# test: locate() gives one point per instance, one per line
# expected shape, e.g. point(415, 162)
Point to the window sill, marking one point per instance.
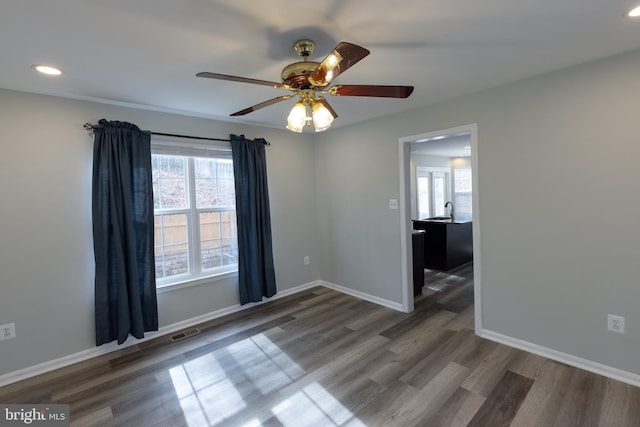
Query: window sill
point(194, 281)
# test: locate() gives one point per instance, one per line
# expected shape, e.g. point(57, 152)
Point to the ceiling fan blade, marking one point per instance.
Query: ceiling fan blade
point(240, 79)
point(261, 105)
point(372, 90)
point(324, 102)
point(338, 61)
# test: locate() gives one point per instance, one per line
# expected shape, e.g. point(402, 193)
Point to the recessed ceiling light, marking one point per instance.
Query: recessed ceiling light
point(47, 69)
point(634, 13)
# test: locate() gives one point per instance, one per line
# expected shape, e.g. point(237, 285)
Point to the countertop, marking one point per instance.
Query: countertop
point(440, 220)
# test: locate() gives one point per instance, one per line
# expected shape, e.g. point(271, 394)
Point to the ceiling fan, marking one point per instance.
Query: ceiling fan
point(309, 80)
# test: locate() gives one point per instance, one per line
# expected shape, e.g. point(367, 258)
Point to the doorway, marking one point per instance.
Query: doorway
point(410, 207)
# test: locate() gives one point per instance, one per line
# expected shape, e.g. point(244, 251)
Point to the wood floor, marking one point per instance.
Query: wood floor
point(322, 358)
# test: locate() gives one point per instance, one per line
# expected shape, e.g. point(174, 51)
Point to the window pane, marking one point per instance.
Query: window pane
point(424, 187)
point(462, 178)
point(205, 168)
point(169, 181)
point(229, 233)
point(229, 227)
point(214, 183)
point(210, 240)
point(171, 245)
point(462, 193)
point(206, 193)
point(218, 241)
point(226, 193)
point(211, 255)
point(439, 194)
point(206, 188)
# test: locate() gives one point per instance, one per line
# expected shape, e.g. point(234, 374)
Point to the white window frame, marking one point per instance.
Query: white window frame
point(180, 147)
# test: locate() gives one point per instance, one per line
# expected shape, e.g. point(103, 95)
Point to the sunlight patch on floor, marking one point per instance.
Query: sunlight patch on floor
point(209, 396)
point(205, 398)
point(320, 409)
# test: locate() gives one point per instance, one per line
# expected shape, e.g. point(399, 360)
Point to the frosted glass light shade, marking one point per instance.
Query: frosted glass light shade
point(297, 117)
point(322, 117)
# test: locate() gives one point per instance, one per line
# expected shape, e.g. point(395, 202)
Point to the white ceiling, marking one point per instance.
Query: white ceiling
point(145, 53)
point(444, 146)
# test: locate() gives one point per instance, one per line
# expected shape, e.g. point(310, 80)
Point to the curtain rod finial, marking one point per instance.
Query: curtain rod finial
point(88, 126)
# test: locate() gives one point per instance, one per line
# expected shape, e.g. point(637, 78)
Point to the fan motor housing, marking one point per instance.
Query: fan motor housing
point(297, 74)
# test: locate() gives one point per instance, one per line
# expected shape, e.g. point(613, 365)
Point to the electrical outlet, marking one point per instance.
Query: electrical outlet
point(393, 204)
point(7, 331)
point(615, 323)
point(306, 260)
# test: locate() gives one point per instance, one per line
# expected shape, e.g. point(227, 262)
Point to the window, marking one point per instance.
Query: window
point(194, 211)
point(433, 191)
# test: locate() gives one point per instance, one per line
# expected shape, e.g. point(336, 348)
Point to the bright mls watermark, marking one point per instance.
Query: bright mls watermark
point(46, 415)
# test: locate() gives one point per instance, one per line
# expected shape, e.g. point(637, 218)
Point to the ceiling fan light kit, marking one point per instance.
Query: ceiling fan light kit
point(308, 79)
point(310, 108)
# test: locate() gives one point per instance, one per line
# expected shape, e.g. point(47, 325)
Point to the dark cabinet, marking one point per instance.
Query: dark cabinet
point(446, 244)
point(417, 245)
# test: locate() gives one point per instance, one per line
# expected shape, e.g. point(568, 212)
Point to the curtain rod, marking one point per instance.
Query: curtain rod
point(89, 126)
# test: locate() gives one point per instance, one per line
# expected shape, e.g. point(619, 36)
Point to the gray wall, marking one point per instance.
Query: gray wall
point(559, 234)
point(356, 175)
point(46, 249)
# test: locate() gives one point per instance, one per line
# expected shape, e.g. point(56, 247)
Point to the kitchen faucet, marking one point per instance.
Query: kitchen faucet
point(451, 211)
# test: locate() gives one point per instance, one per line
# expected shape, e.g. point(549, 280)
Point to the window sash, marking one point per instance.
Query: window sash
point(190, 151)
point(432, 202)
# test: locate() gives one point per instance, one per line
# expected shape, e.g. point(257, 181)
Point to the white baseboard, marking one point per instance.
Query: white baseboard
point(84, 355)
point(361, 295)
point(569, 359)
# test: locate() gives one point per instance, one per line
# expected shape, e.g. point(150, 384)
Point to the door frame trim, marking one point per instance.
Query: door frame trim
point(404, 146)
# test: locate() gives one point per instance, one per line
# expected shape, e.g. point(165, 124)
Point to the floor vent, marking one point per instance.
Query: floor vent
point(185, 334)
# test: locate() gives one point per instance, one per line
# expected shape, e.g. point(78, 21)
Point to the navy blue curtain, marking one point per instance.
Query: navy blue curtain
point(122, 207)
point(255, 259)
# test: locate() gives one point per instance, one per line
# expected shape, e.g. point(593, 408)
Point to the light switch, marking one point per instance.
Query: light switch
point(393, 204)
